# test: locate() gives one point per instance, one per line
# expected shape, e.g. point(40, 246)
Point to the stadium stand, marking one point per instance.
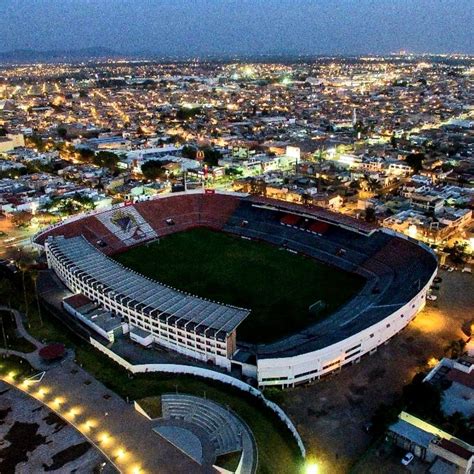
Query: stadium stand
point(185, 323)
point(397, 273)
point(227, 432)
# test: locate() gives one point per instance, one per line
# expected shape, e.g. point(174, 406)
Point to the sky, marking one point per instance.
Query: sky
point(245, 27)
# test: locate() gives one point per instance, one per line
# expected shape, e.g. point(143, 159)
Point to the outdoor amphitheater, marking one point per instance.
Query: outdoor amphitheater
point(294, 292)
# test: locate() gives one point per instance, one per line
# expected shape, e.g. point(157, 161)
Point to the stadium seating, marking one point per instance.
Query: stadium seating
point(395, 268)
point(224, 429)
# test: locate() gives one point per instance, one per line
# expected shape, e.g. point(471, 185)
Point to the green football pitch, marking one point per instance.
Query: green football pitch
point(278, 287)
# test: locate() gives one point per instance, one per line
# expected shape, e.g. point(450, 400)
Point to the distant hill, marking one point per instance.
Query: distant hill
point(29, 55)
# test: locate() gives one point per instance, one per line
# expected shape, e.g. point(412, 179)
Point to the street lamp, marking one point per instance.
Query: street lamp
point(312, 468)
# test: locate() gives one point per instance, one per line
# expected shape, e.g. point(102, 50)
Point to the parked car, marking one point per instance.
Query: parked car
point(408, 458)
point(450, 269)
point(467, 270)
point(434, 287)
point(431, 297)
point(437, 280)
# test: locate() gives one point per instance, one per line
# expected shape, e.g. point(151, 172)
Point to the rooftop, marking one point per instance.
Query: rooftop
point(144, 294)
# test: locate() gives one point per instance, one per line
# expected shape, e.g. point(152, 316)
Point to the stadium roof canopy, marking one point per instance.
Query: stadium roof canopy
point(143, 294)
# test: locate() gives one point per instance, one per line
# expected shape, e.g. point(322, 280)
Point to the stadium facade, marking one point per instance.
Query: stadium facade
point(397, 271)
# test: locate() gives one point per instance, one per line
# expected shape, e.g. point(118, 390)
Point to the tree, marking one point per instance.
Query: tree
point(422, 399)
point(153, 169)
point(189, 152)
point(369, 184)
point(85, 155)
point(415, 161)
point(23, 263)
point(370, 214)
point(211, 156)
point(459, 252)
point(61, 131)
point(6, 290)
point(384, 416)
point(22, 218)
point(106, 159)
point(34, 278)
point(185, 113)
point(455, 349)
point(70, 205)
point(258, 187)
point(306, 199)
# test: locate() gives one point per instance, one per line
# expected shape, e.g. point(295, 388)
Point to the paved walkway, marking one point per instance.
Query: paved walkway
point(32, 357)
point(111, 424)
point(48, 444)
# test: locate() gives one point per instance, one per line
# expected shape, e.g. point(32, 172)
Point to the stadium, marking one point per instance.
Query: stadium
point(368, 283)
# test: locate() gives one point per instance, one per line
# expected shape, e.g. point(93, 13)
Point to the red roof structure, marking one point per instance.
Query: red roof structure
point(52, 351)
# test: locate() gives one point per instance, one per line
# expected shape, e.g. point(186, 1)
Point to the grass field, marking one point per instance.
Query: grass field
point(278, 286)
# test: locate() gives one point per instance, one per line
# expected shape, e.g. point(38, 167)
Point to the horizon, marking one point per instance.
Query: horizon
point(226, 28)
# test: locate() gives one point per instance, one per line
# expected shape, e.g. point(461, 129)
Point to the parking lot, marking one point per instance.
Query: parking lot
point(331, 414)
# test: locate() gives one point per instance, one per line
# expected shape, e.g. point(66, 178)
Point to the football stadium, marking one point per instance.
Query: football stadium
point(274, 291)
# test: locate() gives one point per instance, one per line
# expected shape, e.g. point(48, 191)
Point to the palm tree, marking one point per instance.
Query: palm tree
point(369, 184)
point(34, 277)
point(23, 263)
point(6, 290)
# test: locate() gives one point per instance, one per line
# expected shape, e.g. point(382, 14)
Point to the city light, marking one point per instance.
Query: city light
point(42, 392)
point(359, 167)
point(312, 468)
point(57, 402)
point(105, 438)
point(120, 453)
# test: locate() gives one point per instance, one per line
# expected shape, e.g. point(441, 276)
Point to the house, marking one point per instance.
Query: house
point(445, 453)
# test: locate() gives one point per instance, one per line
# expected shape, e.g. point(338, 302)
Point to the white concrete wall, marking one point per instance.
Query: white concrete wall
point(287, 371)
point(205, 373)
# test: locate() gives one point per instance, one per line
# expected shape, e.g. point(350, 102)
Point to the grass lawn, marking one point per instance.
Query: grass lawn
point(278, 286)
point(151, 406)
point(229, 461)
point(16, 366)
point(14, 342)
